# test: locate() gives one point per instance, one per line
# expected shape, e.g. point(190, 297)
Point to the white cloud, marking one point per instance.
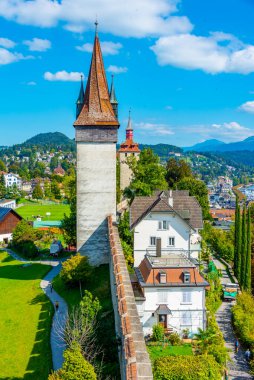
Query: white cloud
point(107, 47)
point(63, 76)
point(227, 131)
point(154, 129)
point(133, 18)
point(37, 44)
point(7, 57)
point(217, 53)
point(6, 43)
point(247, 107)
point(31, 83)
point(117, 69)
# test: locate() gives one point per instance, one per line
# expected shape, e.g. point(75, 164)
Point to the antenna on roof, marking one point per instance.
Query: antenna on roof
point(96, 27)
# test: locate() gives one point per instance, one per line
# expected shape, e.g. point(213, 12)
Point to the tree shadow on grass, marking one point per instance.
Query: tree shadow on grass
point(23, 272)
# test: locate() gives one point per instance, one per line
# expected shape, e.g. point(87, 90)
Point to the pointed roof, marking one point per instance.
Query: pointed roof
point(129, 125)
point(113, 99)
point(81, 96)
point(97, 109)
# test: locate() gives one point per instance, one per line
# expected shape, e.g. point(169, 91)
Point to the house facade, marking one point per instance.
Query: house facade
point(168, 287)
point(12, 179)
point(173, 216)
point(8, 221)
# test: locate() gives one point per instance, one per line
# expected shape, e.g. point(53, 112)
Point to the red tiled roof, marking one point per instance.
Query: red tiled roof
point(129, 146)
point(151, 276)
point(97, 109)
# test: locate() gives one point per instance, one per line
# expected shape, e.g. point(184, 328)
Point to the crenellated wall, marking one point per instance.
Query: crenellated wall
point(134, 360)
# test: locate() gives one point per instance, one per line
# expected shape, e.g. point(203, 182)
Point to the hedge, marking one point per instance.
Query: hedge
point(202, 367)
point(243, 318)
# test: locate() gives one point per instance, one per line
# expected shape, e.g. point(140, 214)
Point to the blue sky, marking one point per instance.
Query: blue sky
point(185, 68)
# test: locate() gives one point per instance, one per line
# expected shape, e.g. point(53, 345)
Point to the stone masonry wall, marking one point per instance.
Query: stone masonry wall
point(134, 359)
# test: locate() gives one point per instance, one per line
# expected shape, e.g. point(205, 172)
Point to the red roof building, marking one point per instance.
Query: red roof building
point(129, 146)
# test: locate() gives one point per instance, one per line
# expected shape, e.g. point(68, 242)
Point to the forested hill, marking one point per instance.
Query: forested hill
point(50, 138)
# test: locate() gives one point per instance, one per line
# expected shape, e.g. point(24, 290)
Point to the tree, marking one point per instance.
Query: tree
point(23, 238)
point(89, 307)
point(237, 217)
point(247, 279)
point(53, 163)
point(239, 243)
point(2, 187)
point(75, 367)
point(37, 192)
point(55, 190)
point(148, 174)
point(69, 222)
point(2, 166)
point(243, 247)
point(76, 269)
point(177, 170)
point(198, 189)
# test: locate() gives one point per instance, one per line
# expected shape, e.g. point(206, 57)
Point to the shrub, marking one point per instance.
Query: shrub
point(23, 239)
point(158, 332)
point(76, 269)
point(203, 367)
point(89, 307)
point(175, 339)
point(75, 367)
point(243, 318)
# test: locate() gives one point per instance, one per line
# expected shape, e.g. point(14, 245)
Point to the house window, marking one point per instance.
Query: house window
point(171, 241)
point(186, 297)
point(186, 318)
point(186, 277)
point(153, 240)
point(162, 297)
point(163, 278)
point(163, 225)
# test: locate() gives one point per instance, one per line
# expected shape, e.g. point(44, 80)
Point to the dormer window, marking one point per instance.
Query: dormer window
point(186, 277)
point(163, 278)
point(163, 225)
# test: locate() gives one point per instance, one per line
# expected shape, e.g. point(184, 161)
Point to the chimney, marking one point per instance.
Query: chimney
point(170, 198)
point(158, 247)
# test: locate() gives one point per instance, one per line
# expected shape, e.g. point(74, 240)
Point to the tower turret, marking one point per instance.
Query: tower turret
point(129, 129)
point(113, 99)
point(81, 97)
point(96, 136)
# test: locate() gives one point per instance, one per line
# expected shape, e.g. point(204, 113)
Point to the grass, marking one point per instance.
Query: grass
point(156, 352)
point(31, 211)
point(25, 321)
point(99, 285)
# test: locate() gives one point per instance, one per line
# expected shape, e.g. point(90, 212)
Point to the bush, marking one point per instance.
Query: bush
point(75, 367)
point(23, 239)
point(76, 269)
point(175, 339)
point(243, 318)
point(203, 367)
point(158, 332)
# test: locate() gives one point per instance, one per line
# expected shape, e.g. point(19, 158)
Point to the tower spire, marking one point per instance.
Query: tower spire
point(97, 109)
point(80, 100)
point(113, 99)
point(129, 129)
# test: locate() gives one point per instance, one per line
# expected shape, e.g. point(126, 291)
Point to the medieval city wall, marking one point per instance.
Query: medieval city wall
point(134, 360)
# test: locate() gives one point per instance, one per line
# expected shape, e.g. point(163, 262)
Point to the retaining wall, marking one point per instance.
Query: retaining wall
point(134, 360)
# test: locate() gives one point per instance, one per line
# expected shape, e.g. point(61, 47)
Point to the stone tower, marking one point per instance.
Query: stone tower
point(127, 149)
point(96, 136)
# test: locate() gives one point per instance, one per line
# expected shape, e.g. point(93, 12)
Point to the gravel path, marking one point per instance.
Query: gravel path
point(238, 367)
point(60, 315)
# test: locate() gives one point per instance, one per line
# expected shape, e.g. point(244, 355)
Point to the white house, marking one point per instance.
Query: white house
point(167, 285)
point(173, 216)
point(8, 203)
point(12, 179)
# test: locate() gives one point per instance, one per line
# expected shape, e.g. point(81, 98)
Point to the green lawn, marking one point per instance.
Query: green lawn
point(156, 352)
point(25, 321)
point(33, 210)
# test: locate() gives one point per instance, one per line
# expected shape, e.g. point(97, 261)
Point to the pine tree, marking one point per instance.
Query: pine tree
point(2, 187)
point(236, 238)
point(238, 243)
point(243, 247)
point(247, 282)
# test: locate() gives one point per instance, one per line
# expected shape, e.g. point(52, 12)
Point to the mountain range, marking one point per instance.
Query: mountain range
point(219, 146)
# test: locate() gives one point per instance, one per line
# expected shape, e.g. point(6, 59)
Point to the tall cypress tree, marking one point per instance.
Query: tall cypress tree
point(239, 243)
point(236, 239)
point(247, 282)
point(243, 247)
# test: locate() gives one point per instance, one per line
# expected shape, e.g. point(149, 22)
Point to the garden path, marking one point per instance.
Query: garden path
point(238, 367)
point(56, 336)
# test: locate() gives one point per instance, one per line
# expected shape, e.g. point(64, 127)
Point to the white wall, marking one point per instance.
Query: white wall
point(149, 227)
point(173, 298)
point(96, 198)
point(5, 236)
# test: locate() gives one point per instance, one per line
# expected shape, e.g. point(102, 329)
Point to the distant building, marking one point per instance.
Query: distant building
point(12, 179)
point(8, 203)
point(127, 149)
point(59, 171)
point(8, 221)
